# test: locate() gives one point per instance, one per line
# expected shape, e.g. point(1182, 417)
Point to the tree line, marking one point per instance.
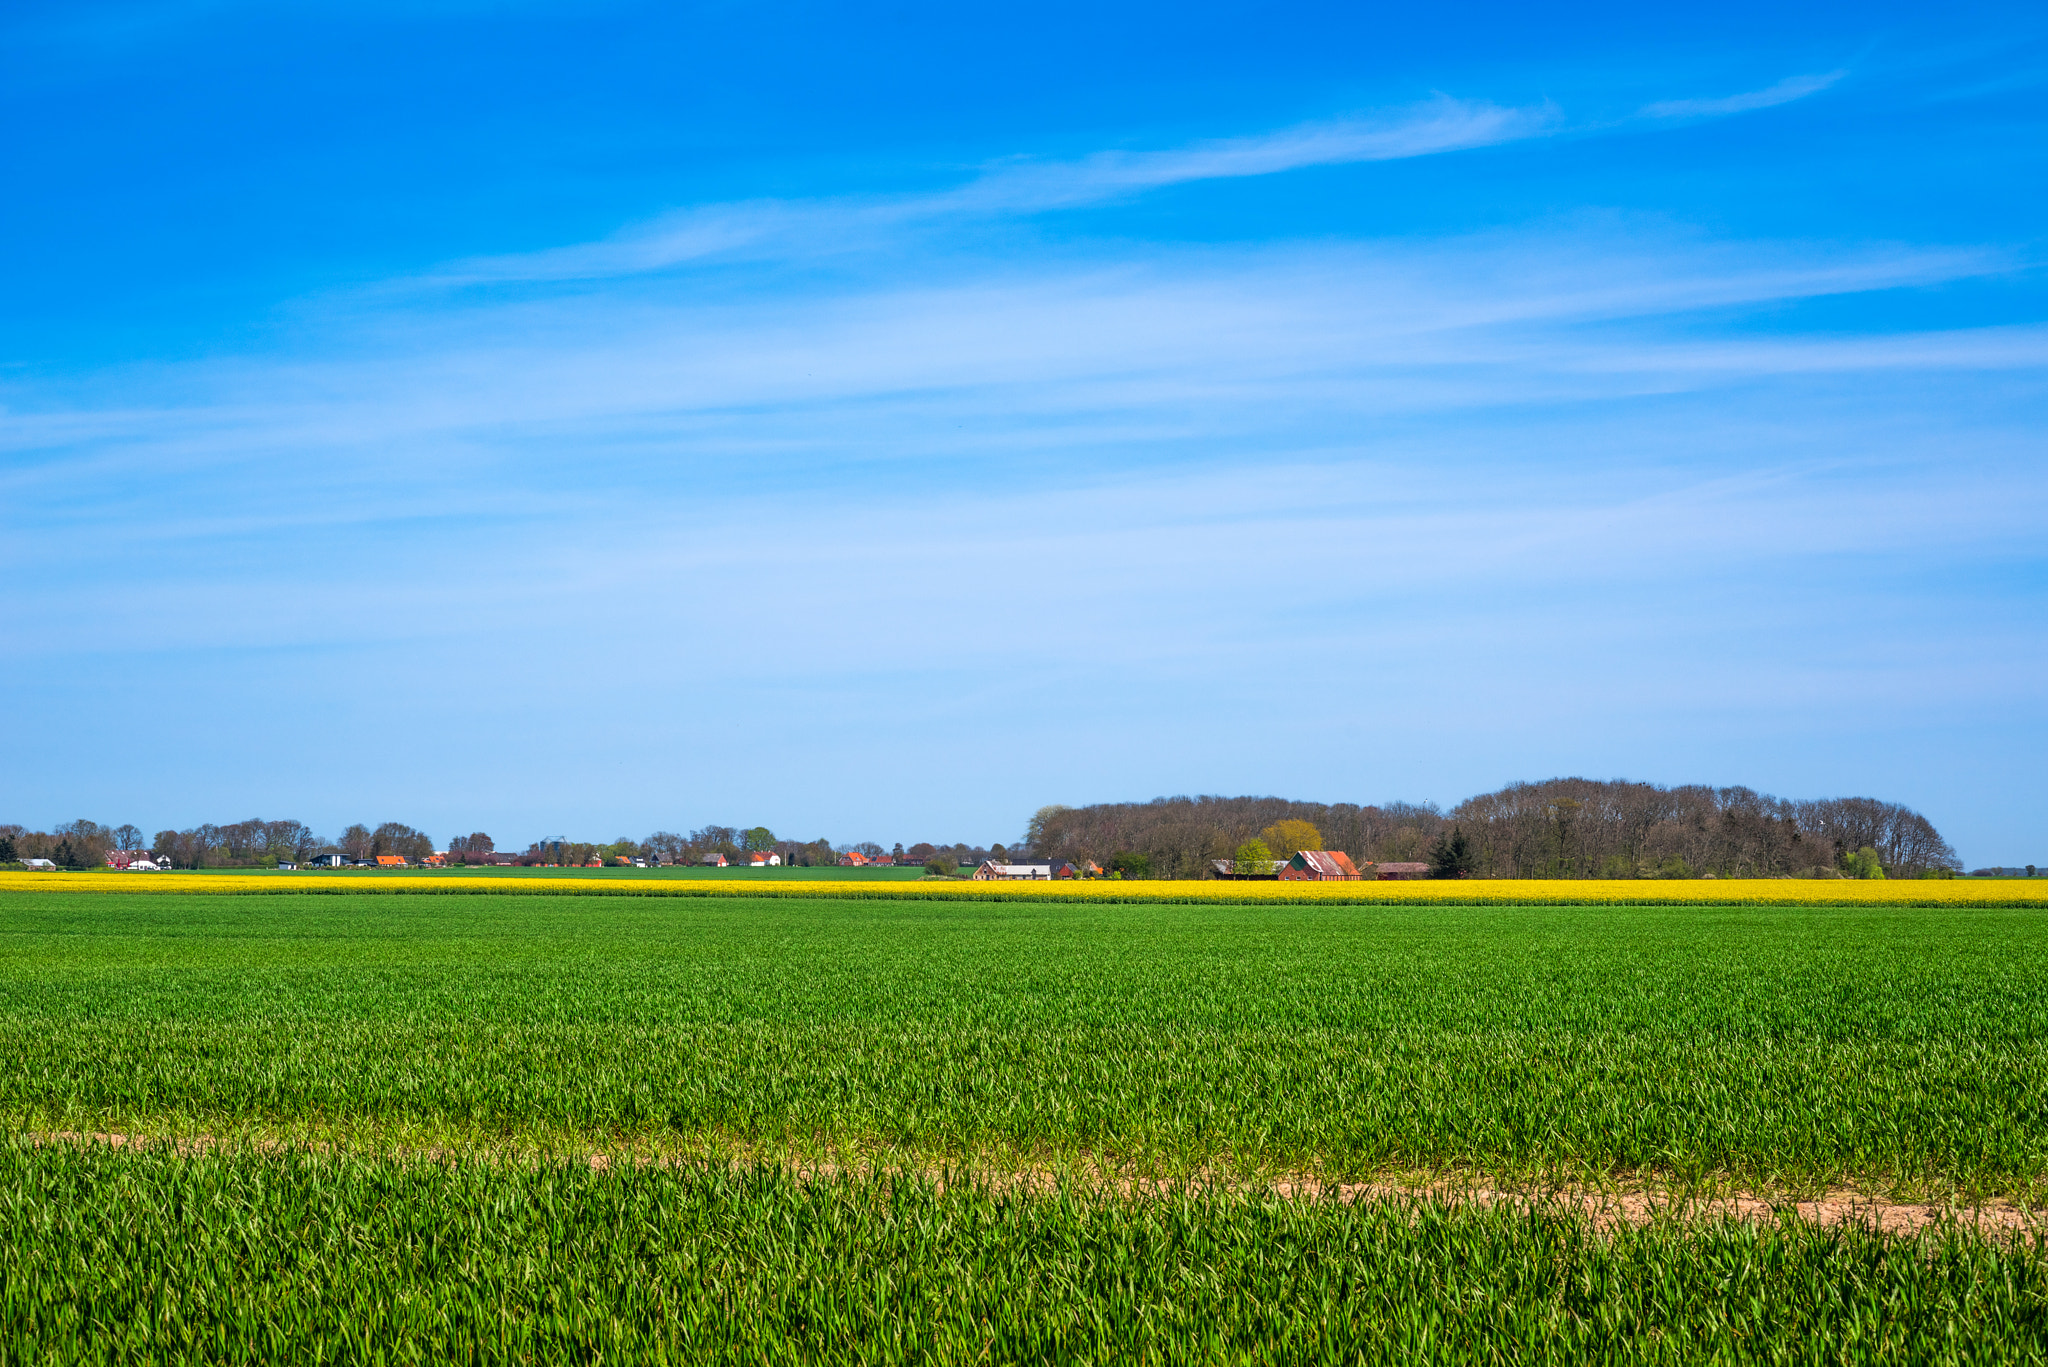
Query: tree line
point(254, 843)
point(1558, 828)
point(257, 843)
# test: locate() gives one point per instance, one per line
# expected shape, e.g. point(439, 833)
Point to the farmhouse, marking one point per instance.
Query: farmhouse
point(1324, 866)
point(1407, 870)
point(853, 859)
point(764, 859)
point(391, 861)
point(40, 865)
point(991, 870)
point(716, 861)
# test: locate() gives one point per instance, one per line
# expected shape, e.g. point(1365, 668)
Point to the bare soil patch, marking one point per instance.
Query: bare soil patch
point(1605, 1209)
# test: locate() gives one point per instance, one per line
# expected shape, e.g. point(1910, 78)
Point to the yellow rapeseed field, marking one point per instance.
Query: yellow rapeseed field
point(1785, 892)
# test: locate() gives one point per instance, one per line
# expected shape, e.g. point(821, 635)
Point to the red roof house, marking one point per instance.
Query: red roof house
point(1320, 866)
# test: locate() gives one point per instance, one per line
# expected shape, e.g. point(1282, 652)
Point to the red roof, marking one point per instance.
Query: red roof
point(1329, 863)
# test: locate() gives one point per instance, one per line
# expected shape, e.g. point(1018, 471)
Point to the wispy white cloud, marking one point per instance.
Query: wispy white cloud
point(1190, 359)
point(1443, 125)
point(1021, 187)
point(1784, 92)
point(1016, 187)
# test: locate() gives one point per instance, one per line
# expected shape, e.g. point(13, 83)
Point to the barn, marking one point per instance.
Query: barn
point(1320, 866)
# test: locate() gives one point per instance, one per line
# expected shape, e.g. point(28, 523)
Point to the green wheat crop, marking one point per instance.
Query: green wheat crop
point(1896, 1050)
point(243, 1256)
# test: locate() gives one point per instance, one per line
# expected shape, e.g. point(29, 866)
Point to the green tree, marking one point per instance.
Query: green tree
point(1862, 864)
point(1130, 864)
point(71, 854)
point(758, 839)
point(1253, 857)
point(1289, 838)
point(1451, 855)
point(940, 865)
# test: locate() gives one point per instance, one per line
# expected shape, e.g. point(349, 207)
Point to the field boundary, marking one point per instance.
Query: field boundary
point(1760, 892)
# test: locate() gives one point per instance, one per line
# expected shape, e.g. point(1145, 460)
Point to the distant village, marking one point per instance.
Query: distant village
point(1284, 852)
point(1301, 865)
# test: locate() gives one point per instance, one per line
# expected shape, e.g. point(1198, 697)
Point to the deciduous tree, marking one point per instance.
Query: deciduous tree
point(1290, 837)
point(1253, 857)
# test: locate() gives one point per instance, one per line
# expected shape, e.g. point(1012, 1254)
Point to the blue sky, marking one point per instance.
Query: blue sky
point(879, 421)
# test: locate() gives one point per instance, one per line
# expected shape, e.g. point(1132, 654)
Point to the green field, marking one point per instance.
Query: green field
point(456, 1060)
point(246, 1257)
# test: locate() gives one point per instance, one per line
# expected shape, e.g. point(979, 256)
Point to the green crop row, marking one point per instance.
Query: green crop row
point(241, 1256)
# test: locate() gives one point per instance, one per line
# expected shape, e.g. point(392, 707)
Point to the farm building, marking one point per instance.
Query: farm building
point(716, 861)
point(1227, 868)
point(853, 859)
point(764, 859)
point(391, 861)
point(1319, 866)
point(121, 859)
point(991, 870)
point(39, 865)
point(1399, 870)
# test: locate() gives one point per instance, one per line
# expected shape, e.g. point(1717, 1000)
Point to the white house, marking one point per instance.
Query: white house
point(990, 869)
point(42, 865)
point(763, 859)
